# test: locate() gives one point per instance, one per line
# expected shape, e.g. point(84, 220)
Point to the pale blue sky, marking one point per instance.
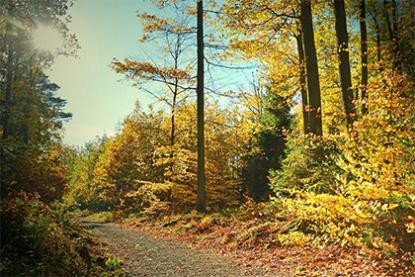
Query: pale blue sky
point(106, 29)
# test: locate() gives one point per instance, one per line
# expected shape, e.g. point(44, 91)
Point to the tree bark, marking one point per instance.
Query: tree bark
point(313, 82)
point(388, 21)
point(378, 43)
point(173, 127)
point(201, 191)
point(364, 60)
point(302, 79)
point(344, 63)
point(5, 119)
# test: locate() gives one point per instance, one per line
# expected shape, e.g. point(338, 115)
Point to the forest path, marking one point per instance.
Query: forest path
point(143, 255)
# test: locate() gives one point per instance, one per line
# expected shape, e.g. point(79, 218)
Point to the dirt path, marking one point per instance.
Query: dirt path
point(143, 255)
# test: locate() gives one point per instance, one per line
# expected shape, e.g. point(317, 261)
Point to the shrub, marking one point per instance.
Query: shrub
point(365, 187)
point(34, 240)
point(310, 166)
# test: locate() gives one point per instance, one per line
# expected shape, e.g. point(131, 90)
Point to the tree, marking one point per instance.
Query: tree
point(175, 78)
point(399, 17)
point(264, 30)
point(267, 148)
point(344, 63)
point(302, 80)
point(31, 113)
point(378, 34)
point(19, 59)
point(363, 54)
point(201, 190)
point(313, 82)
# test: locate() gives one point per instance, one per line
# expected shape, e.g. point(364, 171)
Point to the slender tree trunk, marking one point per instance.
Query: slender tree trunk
point(398, 61)
point(388, 21)
point(174, 104)
point(303, 89)
point(201, 190)
point(173, 126)
point(313, 82)
point(344, 63)
point(5, 117)
point(8, 98)
point(393, 34)
point(363, 49)
point(33, 77)
point(172, 135)
point(378, 43)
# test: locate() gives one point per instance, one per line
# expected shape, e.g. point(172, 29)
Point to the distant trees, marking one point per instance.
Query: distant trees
point(129, 171)
point(80, 164)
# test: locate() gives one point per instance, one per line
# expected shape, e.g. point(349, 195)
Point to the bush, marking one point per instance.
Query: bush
point(38, 240)
point(357, 187)
point(310, 166)
point(33, 239)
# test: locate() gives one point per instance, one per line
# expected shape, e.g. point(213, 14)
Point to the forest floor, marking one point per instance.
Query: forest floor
point(145, 255)
point(183, 248)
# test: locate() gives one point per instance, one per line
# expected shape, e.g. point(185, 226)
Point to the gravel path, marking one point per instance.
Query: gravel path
point(143, 255)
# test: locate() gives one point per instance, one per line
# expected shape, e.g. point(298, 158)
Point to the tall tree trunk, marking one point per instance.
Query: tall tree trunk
point(172, 132)
point(5, 117)
point(173, 124)
point(175, 93)
point(201, 190)
point(391, 23)
point(174, 104)
point(344, 63)
point(388, 21)
point(303, 89)
point(8, 98)
point(378, 44)
point(313, 82)
point(363, 49)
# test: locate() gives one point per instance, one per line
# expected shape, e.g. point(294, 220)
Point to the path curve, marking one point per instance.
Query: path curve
point(146, 256)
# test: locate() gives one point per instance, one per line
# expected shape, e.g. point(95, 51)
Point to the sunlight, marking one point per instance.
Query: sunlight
point(46, 38)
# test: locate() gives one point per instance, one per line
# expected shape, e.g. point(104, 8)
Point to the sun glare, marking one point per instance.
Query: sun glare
point(46, 38)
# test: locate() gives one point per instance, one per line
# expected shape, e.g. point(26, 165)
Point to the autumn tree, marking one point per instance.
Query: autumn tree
point(302, 80)
point(31, 112)
point(175, 77)
point(260, 29)
point(400, 25)
point(80, 163)
point(313, 82)
point(344, 63)
point(270, 119)
point(201, 194)
point(32, 172)
point(363, 54)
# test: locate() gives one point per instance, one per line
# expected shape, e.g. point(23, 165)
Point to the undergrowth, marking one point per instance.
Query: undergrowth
point(42, 240)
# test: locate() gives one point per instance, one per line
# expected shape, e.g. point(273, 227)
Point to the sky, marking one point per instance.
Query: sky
point(105, 29)
point(97, 97)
